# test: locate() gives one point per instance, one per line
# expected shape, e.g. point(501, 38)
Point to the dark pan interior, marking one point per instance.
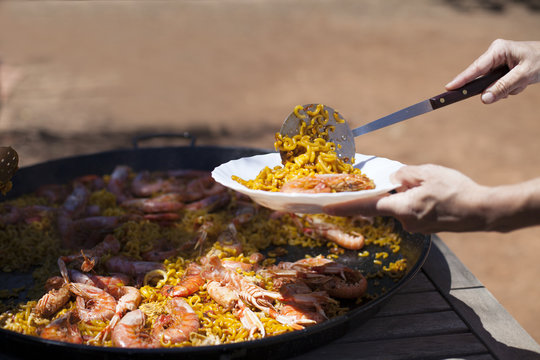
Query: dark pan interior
point(414, 247)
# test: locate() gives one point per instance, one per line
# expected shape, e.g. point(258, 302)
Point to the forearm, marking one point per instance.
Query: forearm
point(510, 207)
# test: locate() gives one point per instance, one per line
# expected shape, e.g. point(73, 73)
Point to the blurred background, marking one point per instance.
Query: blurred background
point(79, 77)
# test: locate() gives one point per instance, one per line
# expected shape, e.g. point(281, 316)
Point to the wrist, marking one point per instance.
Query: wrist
point(510, 207)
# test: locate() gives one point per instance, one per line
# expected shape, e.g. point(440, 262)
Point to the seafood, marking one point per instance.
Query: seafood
point(249, 319)
point(228, 239)
point(118, 183)
point(316, 226)
point(52, 301)
point(326, 275)
point(202, 187)
point(296, 315)
point(222, 294)
point(163, 203)
point(328, 183)
point(123, 265)
point(210, 203)
point(163, 258)
point(129, 332)
point(230, 299)
point(129, 299)
point(144, 185)
point(91, 256)
point(92, 302)
point(247, 291)
point(190, 282)
point(245, 212)
point(27, 214)
point(62, 329)
point(176, 325)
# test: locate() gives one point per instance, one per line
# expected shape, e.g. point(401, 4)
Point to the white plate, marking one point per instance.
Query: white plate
point(376, 168)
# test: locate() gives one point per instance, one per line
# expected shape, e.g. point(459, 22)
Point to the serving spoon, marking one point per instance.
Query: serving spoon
point(343, 136)
point(9, 163)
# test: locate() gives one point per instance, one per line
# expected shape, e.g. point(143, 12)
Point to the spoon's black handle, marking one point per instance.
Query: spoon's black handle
point(475, 87)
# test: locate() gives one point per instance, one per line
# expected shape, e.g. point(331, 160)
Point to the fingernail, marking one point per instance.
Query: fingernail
point(488, 98)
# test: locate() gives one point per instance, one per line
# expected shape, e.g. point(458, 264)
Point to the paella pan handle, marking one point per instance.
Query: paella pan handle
point(135, 141)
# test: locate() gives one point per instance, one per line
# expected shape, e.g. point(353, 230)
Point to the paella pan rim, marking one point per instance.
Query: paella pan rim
point(207, 158)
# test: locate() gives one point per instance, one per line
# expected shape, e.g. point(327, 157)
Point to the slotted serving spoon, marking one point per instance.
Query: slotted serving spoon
point(9, 163)
point(343, 136)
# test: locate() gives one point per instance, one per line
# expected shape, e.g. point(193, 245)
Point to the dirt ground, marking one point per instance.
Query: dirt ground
point(84, 77)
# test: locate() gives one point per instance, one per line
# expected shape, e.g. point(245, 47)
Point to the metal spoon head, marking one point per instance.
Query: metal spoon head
point(9, 163)
point(341, 136)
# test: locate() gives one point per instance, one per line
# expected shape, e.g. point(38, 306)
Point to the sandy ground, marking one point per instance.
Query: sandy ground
point(84, 77)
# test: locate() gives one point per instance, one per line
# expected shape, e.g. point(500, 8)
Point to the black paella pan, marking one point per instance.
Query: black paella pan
point(414, 248)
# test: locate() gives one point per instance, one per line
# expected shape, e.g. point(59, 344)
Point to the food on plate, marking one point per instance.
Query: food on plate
point(327, 183)
point(308, 154)
point(173, 259)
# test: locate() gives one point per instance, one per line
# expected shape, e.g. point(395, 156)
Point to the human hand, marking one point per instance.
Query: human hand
point(431, 199)
point(523, 59)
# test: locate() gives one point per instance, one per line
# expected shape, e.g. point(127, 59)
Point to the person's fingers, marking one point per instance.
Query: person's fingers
point(504, 86)
point(408, 176)
point(489, 60)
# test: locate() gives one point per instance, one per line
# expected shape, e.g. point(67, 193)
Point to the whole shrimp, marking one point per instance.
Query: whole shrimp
point(61, 329)
point(91, 256)
point(326, 275)
point(202, 186)
point(190, 282)
point(247, 291)
point(28, 214)
point(249, 319)
point(52, 301)
point(297, 316)
point(129, 332)
point(175, 326)
point(144, 184)
point(210, 203)
point(245, 212)
point(319, 227)
point(162, 203)
point(230, 299)
point(123, 265)
point(118, 183)
point(57, 297)
point(129, 299)
point(92, 302)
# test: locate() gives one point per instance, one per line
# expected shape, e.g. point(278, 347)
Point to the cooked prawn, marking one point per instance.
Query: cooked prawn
point(123, 265)
point(92, 302)
point(211, 202)
point(319, 227)
point(162, 203)
point(175, 326)
point(129, 332)
point(129, 299)
point(222, 294)
point(62, 329)
point(328, 183)
point(249, 319)
point(118, 183)
point(52, 301)
point(190, 282)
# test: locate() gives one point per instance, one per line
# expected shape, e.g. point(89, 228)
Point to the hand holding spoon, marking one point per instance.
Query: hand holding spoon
point(343, 136)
